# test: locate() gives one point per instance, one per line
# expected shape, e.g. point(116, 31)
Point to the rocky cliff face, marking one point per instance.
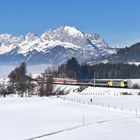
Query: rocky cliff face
point(53, 47)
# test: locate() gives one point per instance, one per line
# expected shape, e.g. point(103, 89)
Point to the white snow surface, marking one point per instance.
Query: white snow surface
point(72, 31)
point(134, 63)
point(71, 116)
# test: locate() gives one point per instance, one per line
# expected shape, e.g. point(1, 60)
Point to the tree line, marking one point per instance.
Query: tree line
point(72, 69)
point(46, 87)
point(19, 82)
point(22, 84)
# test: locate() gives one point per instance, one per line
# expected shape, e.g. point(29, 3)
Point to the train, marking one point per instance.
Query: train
point(91, 82)
point(104, 83)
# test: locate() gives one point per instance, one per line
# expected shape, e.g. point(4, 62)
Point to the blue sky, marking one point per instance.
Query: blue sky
point(118, 21)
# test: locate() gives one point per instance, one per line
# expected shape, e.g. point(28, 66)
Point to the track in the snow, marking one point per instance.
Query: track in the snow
point(79, 126)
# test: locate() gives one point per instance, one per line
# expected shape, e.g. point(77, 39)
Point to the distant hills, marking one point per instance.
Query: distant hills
point(127, 55)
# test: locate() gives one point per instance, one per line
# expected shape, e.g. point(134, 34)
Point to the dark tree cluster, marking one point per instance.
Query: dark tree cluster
point(19, 73)
point(46, 87)
point(72, 69)
point(20, 82)
point(6, 90)
point(127, 54)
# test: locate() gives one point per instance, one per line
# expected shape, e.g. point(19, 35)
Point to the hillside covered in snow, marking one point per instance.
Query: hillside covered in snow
point(110, 115)
point(53, 47)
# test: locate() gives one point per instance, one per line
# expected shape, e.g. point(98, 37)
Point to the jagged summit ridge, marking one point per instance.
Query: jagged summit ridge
point(61, 44)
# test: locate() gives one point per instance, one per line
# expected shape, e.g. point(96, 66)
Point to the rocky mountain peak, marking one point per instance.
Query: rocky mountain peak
point(53, 46)
point(96, 36)
point(72, 31)
point(31, 36)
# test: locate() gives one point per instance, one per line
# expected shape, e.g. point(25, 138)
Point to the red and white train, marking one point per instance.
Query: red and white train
point(64, 81)
point(89, 82)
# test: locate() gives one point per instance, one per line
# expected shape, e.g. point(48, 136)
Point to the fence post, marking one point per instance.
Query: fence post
point(83, 120)
point(108, 105)
point(136, 112)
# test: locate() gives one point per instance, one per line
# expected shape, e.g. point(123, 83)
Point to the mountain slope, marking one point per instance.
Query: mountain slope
point(53, 47)
point(127, 55)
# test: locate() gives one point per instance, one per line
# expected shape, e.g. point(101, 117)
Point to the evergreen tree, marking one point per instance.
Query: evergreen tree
point(73, 68)
point(49, 86)
point(46, 87)
point(20, 80)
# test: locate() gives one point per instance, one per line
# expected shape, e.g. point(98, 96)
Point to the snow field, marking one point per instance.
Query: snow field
point(110, 98)
point(28, 118)
point(71, 116)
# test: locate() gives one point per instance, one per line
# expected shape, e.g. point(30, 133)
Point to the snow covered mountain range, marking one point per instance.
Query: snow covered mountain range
point(53, 47)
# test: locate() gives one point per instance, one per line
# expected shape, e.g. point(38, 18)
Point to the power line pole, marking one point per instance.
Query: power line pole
point(94, 78)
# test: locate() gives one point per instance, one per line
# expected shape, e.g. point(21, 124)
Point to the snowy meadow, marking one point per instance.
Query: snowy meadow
point(71, 116)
